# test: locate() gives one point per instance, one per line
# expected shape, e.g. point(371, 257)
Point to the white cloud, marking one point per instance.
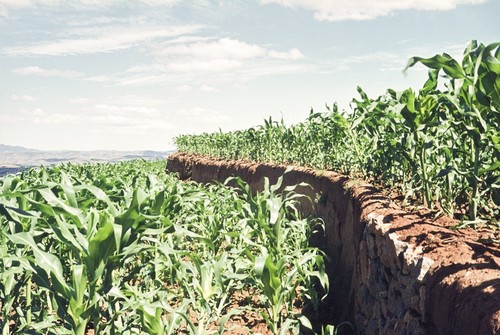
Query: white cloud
point(99, 40)
point(35, 70)
point(127, 119)
point(208, 88)
point(222, 54)
point(188, 39)
point(42, 117)
point(161, 2)
point(224, 48)
point(375, 57)
point(204, 116)
point(25, 97)
point(99, 79)
point(212, 61)
point(142, 79)
point(263, 69)
point(103, 117)
point(227, 49)
point(201, 65)
point(79, 100)
point(39, 116)
point(186, 75)
point(340, 10)
point(8, 5)
point(292, 54)
point(134, 100)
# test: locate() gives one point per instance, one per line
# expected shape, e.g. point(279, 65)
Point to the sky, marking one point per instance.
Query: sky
point(132, 75)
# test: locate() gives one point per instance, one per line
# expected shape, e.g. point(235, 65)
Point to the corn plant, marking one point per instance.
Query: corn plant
point(127, 249)
point(437, 147)
point(475, 99)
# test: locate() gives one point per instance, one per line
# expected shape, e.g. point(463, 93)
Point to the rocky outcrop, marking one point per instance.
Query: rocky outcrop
point(392, 272)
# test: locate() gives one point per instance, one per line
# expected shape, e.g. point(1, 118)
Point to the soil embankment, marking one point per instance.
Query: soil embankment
point(392, 272)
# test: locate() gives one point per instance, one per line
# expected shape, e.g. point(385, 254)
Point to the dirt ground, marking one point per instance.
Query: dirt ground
point(463, 282)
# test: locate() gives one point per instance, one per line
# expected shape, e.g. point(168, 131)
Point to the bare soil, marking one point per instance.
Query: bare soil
point(463, 283)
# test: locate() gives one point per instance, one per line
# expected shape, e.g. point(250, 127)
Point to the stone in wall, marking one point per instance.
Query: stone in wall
point(391, 272)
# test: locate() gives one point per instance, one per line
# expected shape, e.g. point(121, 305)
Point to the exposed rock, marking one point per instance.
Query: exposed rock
point(391, 272)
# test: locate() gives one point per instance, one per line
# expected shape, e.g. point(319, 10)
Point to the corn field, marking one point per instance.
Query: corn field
point(439, 147)
point(126, 249)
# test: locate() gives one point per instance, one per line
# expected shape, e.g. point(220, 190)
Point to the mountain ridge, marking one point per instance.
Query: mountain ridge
point(15, 148)
point(17, 158)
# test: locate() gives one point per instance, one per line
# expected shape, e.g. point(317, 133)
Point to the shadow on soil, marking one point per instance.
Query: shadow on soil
point(325, 313)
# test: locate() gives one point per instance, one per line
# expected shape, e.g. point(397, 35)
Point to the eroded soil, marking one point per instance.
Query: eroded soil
point(463, 283)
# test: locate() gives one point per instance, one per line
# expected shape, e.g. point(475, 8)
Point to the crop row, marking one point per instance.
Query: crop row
point(439, 146)
point(127, 249)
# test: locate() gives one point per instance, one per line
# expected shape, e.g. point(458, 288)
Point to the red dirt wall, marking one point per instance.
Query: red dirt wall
point(392, 272)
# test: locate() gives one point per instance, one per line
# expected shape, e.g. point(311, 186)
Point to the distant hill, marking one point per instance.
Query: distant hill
point(15, 148)
point(15, 158)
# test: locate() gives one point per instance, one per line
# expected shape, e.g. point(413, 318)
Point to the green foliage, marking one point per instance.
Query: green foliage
point(126, 249)
point(438, 146)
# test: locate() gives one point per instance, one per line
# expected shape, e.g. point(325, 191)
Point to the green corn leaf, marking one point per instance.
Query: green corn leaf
point(445, 62)
point(101, 247)
point(151, 318)
point(52, 200)
point(68, 189)
point(269, 275)
point(46, 261)
point(100, 195)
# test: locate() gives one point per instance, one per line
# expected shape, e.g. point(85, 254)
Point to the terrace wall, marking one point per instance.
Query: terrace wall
point(391, 272)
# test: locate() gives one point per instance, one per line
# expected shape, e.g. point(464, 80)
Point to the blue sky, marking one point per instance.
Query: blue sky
point(131, 75)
